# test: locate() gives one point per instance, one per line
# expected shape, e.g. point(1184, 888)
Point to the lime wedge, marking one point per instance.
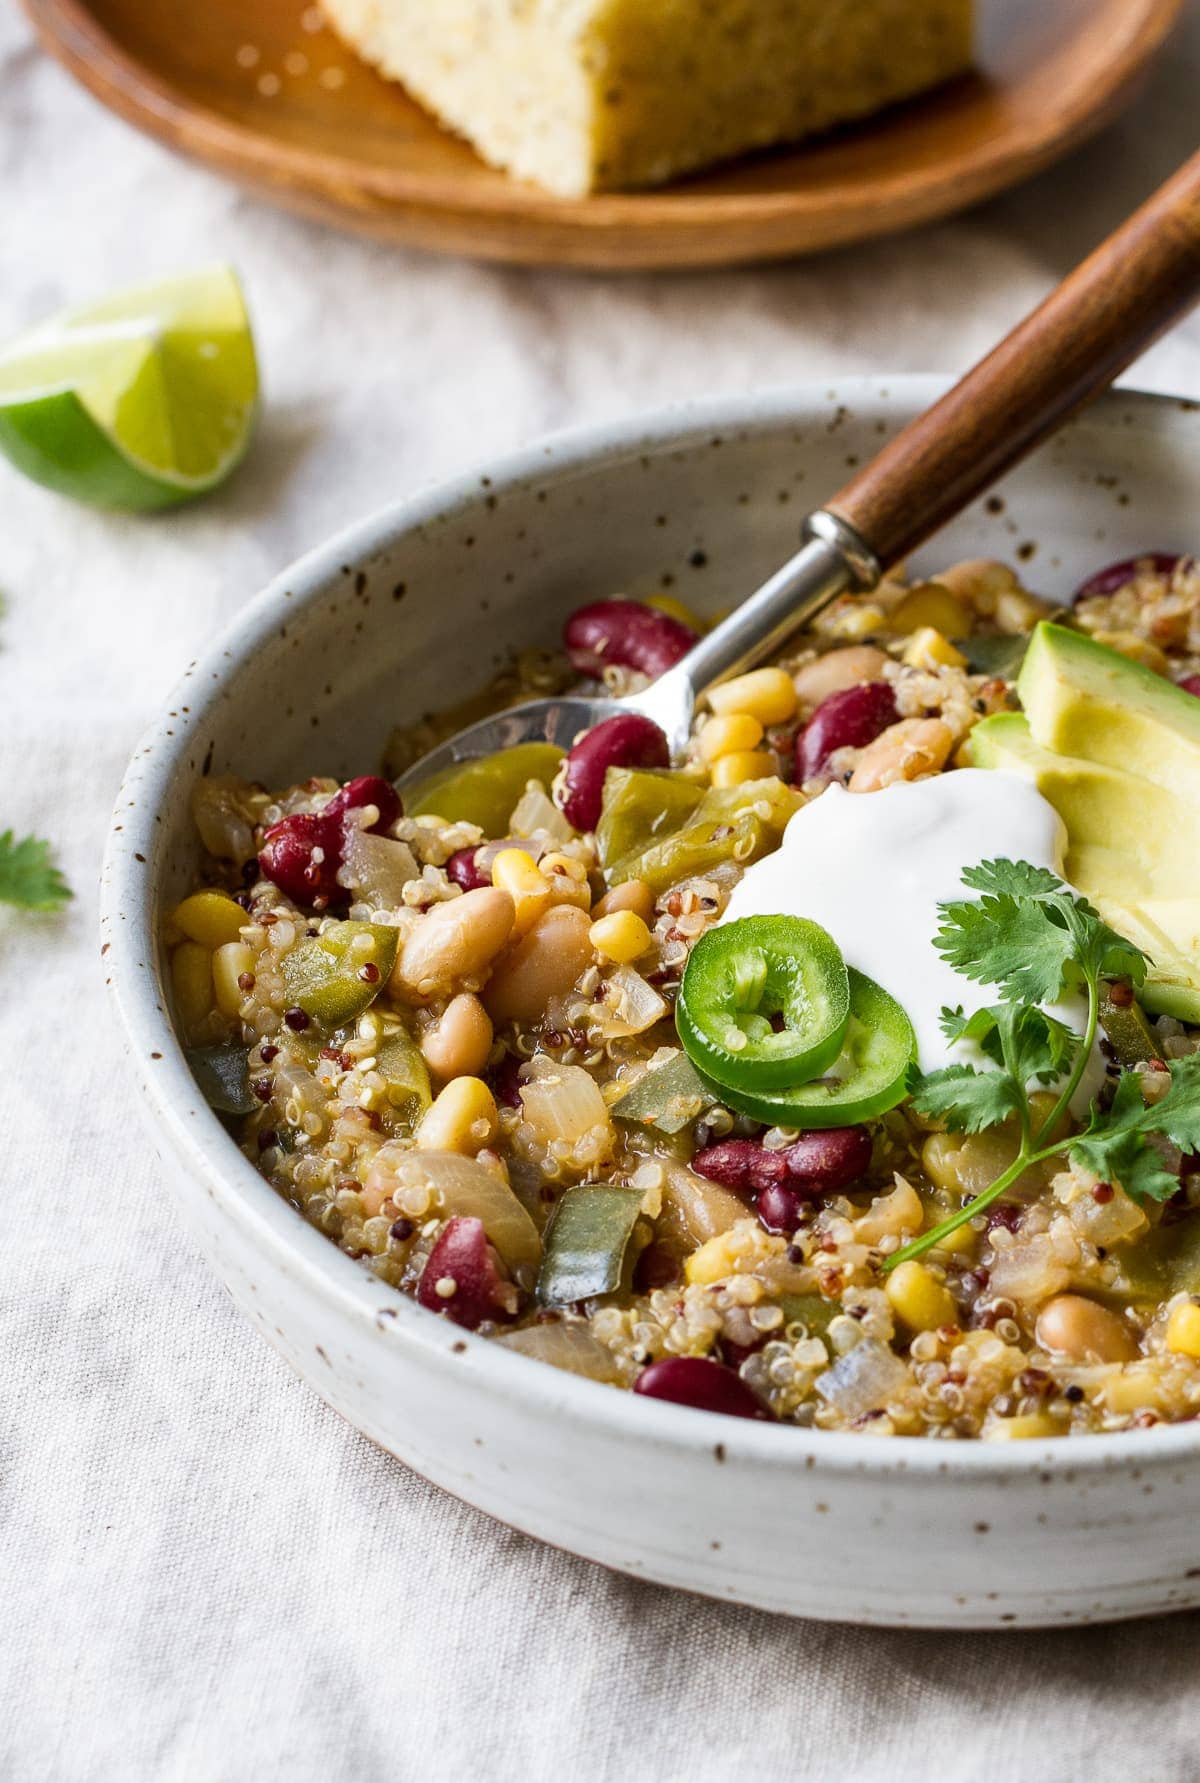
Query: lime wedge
point(142, 400)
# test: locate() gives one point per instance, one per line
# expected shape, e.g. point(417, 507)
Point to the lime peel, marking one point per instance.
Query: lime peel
point(140, 401)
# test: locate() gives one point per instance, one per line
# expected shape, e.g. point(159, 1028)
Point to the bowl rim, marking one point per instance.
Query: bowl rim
point(184, 1121)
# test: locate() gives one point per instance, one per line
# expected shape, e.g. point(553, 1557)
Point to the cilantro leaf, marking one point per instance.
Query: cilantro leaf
point(967, 1100)
point(1022, 1039)
point(1018, 879)
point(1030, 936)
point(1115, 1144)
point(28, 877)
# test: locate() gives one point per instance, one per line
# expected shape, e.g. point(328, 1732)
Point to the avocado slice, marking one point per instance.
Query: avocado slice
point(1127, 839)
point(1133, 848)
point(1083, 699)
point(1168, 931)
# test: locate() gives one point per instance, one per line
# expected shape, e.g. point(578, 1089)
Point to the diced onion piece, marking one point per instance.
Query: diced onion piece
point(631, 1005)
point(1028, 1271)
point(863, 1380)
point(467, 1187)
point(565, 1346)
point(536, 814)
point(696, 1208)
point(562, 1102)
point(375, 868)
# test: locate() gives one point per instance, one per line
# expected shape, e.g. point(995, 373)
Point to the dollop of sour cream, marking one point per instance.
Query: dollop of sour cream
point(872, 868)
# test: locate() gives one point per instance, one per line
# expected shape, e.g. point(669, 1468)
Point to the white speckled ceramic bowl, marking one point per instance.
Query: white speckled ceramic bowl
point(413, 608)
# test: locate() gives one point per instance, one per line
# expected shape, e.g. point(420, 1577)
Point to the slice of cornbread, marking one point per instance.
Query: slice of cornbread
point(582, 95)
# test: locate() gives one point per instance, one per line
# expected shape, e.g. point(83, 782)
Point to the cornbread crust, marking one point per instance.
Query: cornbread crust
point(583, 95)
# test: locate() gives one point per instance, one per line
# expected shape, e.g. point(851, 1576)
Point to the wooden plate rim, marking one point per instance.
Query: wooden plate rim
point(71, 33)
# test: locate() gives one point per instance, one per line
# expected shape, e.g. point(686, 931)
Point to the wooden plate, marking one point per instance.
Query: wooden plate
point(259, 89)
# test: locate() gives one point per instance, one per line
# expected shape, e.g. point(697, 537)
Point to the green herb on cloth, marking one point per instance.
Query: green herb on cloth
point(28, 877)
point(1037, 942)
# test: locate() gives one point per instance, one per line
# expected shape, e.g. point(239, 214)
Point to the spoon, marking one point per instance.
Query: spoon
point(1129, 291)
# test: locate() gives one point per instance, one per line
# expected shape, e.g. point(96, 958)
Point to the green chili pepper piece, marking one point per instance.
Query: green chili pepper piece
point(764, 1003)
point(737, 823)
point(398, 1060)
point(223, 1075)
point(1126, 1030)
point(669, 1097)
point(588, 1247)
point(485, 792)
point(337, 975)
point(641, 804)
point(869, 1076)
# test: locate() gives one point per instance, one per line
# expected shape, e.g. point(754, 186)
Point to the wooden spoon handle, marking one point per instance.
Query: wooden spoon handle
point(1123, 296)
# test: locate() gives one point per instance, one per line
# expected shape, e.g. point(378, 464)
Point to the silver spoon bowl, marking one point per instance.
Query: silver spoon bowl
point(832, 560)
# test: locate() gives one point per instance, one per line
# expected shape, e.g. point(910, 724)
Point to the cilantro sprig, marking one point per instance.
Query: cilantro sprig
point(1036, 941)
point(28, 876)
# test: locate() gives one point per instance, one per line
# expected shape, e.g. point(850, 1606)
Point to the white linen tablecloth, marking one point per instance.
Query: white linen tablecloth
point(204, 1574)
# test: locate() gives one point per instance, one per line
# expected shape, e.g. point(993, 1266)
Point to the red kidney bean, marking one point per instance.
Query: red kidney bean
point(847, 720)
point(504, 1081)
point(368, 789)
point(1116, 575)
point(658, 1266)
point(626, 741)
point(704, 1385)
point(816, 1163)
point(781, 1207)
point(301, 855)
point(1191, 684)
point(462, 1255)
point(627, 633)
point(463, 869)
point(830, 1156)
point(289, 852)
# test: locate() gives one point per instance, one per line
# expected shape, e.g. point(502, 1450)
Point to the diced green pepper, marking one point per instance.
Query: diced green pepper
point(1164, 1262)
point(337, 975)
point(399, 1061)
point(764, 1002)
point(589, 1244)
point(485, 792)
point(736, 823)
point(669, 1097)
point(641, 804)
point(1126, 1030)
point(1000, 656)
point(813, 1310)
point(223, 1075)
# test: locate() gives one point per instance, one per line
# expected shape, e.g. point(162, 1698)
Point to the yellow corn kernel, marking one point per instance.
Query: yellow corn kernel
point(929, 604)
point(513, 871)
point(856, 620)
point(1022, 1429)
point(730, 735)
point(766, 694)
point(963, 1242)
point(229, 963)
point(712, 1262)
point(674, 609)
point(622, 937)
point(1183, 1329)
point(461, 1119)
point(210, 917)
point(929, 649)
point(192, 983)
point(919, 1300)
point(747, 764)
point(1137, 649)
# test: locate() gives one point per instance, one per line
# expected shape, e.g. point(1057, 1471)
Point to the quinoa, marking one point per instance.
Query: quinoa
point(347, 1124)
